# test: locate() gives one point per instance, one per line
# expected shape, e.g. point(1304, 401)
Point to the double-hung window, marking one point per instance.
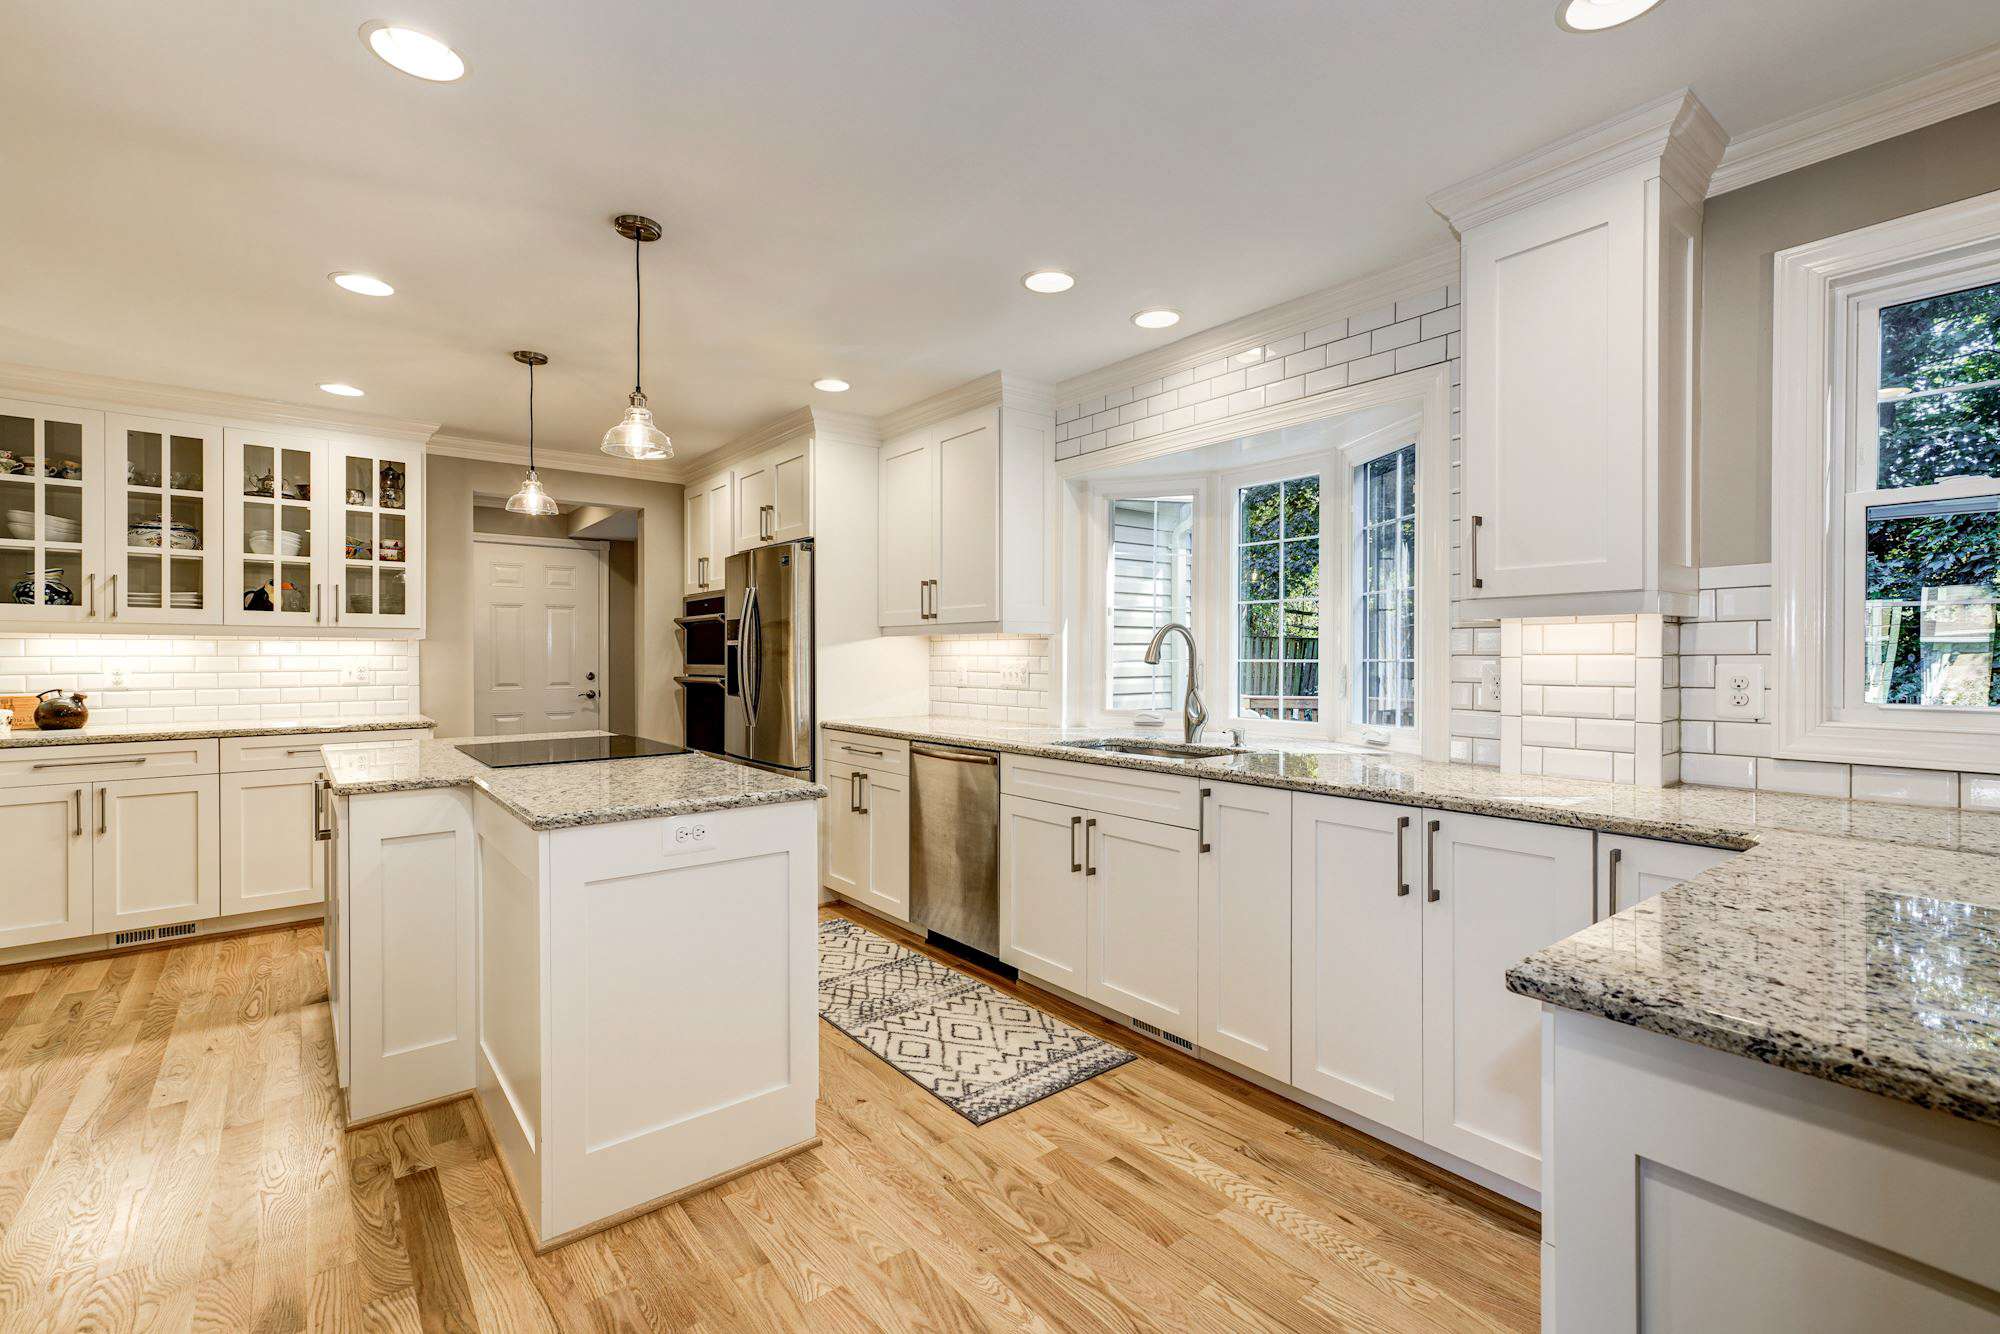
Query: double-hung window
point(1887, 376)
point(1149, 584)
point(1278, 588)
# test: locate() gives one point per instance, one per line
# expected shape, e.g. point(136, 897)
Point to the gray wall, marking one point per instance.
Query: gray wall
point(645, 657)
point(1741, 230)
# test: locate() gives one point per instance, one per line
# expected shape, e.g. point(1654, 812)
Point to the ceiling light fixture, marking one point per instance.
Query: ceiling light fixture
point(417, 54)
point(832, 384)
point(531, 499)
point(344, 390)
point(361, 284)
point(1158, 317)
point(635, 436)
point(1597, 15)
point(1048, 281)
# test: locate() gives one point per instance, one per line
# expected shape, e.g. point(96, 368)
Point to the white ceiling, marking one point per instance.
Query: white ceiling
point(848, 188)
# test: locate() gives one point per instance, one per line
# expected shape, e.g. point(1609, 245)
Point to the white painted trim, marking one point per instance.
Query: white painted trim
point(1435, 267)
point(1675, 132)
point(556, 460)
point(602, 551)
point(1810, 456)
point(146, 399)
point(995, 387)
point(1736, 576)
point(1883, 112)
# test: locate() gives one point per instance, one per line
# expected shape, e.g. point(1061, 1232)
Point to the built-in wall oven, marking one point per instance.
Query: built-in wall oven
point(704, 651)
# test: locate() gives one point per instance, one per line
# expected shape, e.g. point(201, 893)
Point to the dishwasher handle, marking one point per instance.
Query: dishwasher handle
point(981, 757)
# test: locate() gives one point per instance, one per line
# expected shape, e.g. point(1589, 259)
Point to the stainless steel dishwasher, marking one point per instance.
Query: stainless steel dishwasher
point(955, 846)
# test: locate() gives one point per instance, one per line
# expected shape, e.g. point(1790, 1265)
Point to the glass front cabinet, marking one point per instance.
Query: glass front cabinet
point(112, 520)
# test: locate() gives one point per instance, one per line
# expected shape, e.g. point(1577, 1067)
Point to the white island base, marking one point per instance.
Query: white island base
point(1687, 1189)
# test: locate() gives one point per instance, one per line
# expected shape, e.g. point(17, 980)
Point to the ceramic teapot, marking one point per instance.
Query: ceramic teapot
point(59, 710)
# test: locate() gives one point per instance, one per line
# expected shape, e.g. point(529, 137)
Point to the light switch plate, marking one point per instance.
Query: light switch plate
point(1739, 689)
point(1014, 675)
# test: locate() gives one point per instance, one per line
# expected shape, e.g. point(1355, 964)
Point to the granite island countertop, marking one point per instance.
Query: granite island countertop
point(564, 796)
point(1852, 941)
point(194, 731)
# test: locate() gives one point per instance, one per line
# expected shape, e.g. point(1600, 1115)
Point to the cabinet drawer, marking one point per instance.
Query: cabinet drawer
point(298, 750)
point(868, 752)
point(1107, 789)
point(92, 761)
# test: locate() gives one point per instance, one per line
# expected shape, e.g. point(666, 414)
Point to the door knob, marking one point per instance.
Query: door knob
point(586, 694)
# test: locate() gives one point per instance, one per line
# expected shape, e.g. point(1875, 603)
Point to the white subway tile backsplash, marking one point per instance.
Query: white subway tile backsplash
point(1590, 637)
point(1718, 770)
point(1579, 764)
point(1906, 787)
point(1719, 637)
point(1979, 792)
point(1806, 777)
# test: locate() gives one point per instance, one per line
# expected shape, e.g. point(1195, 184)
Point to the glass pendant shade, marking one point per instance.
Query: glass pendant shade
point(635, 436)
point(531, 498)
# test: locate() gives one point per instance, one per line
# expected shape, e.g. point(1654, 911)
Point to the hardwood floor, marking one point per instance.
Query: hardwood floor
point(171, 1158)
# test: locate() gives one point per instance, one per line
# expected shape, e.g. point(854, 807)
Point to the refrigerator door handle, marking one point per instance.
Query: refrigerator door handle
point(752, 669)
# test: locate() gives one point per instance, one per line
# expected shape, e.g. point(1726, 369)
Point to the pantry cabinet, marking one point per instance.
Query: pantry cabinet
point(48, 890)
point(709, 537)
point(1243, 926)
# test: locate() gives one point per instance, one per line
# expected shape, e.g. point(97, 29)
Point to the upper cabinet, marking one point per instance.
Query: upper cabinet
point(139, 521)
point(774, 494)
point(709, 515)
point(964, 541)
point(1582, 284)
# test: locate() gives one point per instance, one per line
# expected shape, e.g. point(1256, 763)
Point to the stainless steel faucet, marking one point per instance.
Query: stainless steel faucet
point(1193, 715)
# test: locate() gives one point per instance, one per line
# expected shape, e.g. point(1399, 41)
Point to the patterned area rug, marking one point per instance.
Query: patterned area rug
point(980, 1052)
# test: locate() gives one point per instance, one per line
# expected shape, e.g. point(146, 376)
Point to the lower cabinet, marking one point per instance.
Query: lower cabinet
point(868, 837)
point(1632, 870)
point(155, 859)
point(1044, 921)
point(47, 893)
point(1243, 927)
point(269, 856)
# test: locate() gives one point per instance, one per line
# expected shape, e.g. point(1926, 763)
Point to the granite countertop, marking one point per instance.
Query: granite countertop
point(564, 796)
point(1853, 941)
point(101, 732)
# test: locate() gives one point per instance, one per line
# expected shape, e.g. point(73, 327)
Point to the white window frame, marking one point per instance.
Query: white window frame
point(1097, 643)
point(1223, 700)
point(1826, 303)
point(1390, 440)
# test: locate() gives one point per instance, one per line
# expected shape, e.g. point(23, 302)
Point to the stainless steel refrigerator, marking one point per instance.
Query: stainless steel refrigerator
point(767, 716)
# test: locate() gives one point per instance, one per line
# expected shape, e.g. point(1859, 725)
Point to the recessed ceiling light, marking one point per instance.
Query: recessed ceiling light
point(415, 53)
point(832, 384)
point(361, 284)
point(1047, 281)
point(344, 390)
point(1597, 15)
point(1159, 317)
point(1250, 356)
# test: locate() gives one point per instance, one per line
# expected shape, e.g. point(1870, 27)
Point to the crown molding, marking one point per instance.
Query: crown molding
point(1938, 93)
point(560, 460)
point(1436, 267)
point(142, 397)
point(1675, 132)
point(972, 394)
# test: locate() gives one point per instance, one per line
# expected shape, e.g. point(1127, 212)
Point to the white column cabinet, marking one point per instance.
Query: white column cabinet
point(154, 857)
point(1495, 891)
point(270, 856)
point(46, 893)
point(1243, 927)
point(1632, 870)
point(1140, 880)
point(1044, 918)
point(1358, 957)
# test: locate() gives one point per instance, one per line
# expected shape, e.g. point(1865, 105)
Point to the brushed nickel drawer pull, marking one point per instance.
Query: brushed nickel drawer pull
point(1430, 861)
point(1402, 883)
point(86, 764)
point(1089, 868)
point(1617, 855)
point(1075, 822)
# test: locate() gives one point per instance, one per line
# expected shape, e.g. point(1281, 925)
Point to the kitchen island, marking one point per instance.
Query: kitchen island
point(616, 958)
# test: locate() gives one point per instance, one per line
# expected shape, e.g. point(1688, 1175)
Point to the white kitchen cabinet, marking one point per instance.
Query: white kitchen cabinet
point(373, 505)
point(155, 856)
point(1632, 870)
point(774, 495)
point(1243, 928)
point(868, 837)
point(163, 522)
point(709, 539)
point(51, 514)
point(1582, 281)
point(1357, 971)
point(1495, 891)
point(270, 857)
point(46, 893)
point(967, 509)
point(274, 529)
point(1141, 888)
point(1044, 914)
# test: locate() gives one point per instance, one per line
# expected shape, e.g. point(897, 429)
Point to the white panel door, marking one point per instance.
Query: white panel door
point(1141, 877)
point(1044, 920)
point(1632, 870)
point(535, 641)
point(1244, 928)
point(755, 484)
point(1358, 957)
point(968, 523)
point(1554, 379)
point(790, 518)
point(1496, 891)
point(846, 871)
point(721, 541)
point(906, 543)
point(45, 894)
point(154, 855)
point(271, 857)
point(885, 816)
point(707, 534)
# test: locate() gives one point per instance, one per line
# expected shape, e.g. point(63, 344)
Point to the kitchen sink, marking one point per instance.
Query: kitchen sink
point(1159, 750)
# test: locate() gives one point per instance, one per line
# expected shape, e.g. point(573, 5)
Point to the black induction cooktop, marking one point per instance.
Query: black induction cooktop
point(566, 750)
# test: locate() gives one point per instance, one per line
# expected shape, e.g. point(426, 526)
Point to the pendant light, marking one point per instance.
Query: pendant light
point(636, 437)
point(531, 499)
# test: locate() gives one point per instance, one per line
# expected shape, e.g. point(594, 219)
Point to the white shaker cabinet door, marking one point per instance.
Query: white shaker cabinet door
point(906, 544)
point(1632, 870)
point(45, 894)
point(967, 565)
point(846, 832)
point(695, 574)
point(1141, 881)
point(270, 846)
point(1244, 927)
point(1495, 892)
point(1358, 957)
point(1044, 920)
point(155, 860)
point(885, 816)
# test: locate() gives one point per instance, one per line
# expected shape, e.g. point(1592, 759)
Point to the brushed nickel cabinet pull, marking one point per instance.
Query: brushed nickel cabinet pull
point(1611, 899)
point(1089, 868)
point(1402, 883)
point(1075, 822)
point(1477, 524)
point(862, 774)
point(1431, 862)
point(1201, 818)
point(103, 815)
point(77, 797)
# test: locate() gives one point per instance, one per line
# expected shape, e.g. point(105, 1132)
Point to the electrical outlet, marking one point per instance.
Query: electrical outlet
point(1739, 689)
point(1014, 675)
point(117, 677)
point(1487, 696)
point(354, 676)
